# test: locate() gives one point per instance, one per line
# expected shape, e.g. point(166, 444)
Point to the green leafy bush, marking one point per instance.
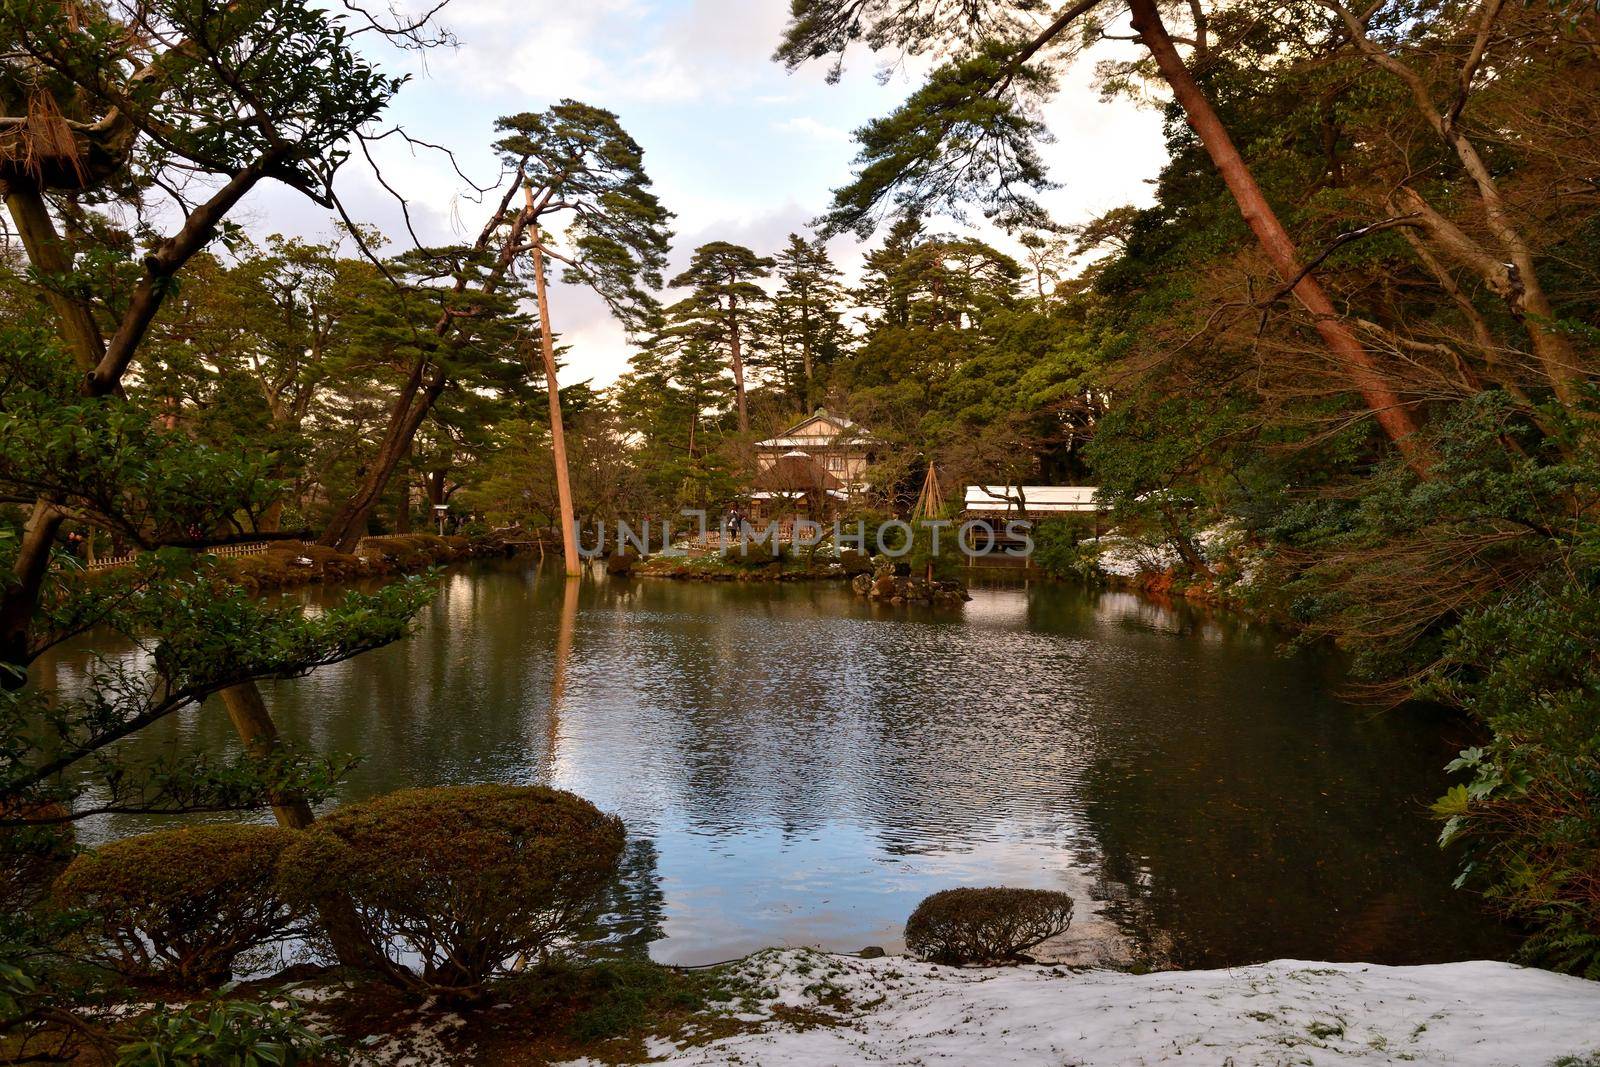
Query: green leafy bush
point(1061, 550)
point(460, 879)
point(948, 560)
point(983, 925)
point(238, 1033)
point(1530, 814)
point(179, 906)
point(1505, 633)
point(31, 856)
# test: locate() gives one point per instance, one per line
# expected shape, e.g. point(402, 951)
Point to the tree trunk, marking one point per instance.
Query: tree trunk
point(346, 527)
point(402, 511)
point(738, 361)
point(1513, 274)
point(102, 362)
point(259, 734)
point(558, 435)
point(82, 335)
point(50, 258)
point(1386, 406)
point(254, 725)
point(805, 349)
point(22, 591)
point(272, 517)
point(349, 523)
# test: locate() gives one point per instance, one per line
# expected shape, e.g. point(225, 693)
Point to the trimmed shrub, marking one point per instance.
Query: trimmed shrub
point(854, 562)
point(409, 552)
point(984, 925)
point(460, 879)
point(179, 906)
point(751, 554)
point(622, 561)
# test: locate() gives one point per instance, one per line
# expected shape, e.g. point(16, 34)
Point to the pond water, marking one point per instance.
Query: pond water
point(796, 766)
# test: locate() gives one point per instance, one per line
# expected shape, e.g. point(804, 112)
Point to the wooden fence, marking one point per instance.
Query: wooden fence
point(713, 540)
point(243, 548)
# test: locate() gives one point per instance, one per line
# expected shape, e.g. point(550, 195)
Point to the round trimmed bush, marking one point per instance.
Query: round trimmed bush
point(754, 554)
point(180, 906)
point(984, 925)
point(459, 880)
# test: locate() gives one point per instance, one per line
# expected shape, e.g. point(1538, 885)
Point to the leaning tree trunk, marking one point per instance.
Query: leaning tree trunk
point(21, 595)
point(349, 523)
point(414, 403)
point(48, 254)
point(1381, 399)
point(558, 434)
point(254, 725)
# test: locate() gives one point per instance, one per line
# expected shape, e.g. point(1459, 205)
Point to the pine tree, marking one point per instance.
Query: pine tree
point(807, 311)
point(724, 278)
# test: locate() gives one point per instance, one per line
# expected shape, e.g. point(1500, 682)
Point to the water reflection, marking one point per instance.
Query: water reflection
point(798, 767)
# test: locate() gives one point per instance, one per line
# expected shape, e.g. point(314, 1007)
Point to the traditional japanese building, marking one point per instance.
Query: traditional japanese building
point(813, 467)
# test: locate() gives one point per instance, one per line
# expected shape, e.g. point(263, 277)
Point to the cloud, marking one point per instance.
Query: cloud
point(612, 51)
point(741, 150)
point(805, 126)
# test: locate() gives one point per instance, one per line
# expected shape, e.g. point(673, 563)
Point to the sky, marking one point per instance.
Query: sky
point(739, 149)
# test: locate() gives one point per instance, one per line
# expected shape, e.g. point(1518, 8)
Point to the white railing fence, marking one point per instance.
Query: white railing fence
point(243, 548)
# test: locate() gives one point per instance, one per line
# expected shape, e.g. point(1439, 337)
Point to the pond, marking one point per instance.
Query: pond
point(798, 767)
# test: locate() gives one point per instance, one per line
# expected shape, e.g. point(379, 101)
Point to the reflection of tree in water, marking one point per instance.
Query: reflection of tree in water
point(1229, 807)
point(1245, 825)
point(1148, 943)
point(635, 908)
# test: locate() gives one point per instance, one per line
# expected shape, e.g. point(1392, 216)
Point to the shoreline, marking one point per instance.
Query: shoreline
point(806, 1008)
point(288, 564)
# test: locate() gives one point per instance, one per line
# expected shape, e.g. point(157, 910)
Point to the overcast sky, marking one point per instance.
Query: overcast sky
point(739, 149)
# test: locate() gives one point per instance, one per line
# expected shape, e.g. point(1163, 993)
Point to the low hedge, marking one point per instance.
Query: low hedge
point(460, 880)
point(180, 906)
point(985, 925)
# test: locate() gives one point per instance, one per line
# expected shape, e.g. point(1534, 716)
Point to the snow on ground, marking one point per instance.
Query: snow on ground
point(1126, 557)
point(898, 1011)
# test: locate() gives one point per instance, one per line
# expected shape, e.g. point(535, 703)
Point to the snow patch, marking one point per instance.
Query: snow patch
point(821, 1010)
point(1121, 556)
point(422, 1044)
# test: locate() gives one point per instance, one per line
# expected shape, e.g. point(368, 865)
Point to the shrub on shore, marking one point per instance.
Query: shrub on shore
point(240, 1033)
point(32, 855)
point(180, 906)
point(463, 879)
point(758, 554)
point(984, 925)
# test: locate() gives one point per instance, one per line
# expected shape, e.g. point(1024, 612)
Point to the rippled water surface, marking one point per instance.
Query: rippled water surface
point(799, 767)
